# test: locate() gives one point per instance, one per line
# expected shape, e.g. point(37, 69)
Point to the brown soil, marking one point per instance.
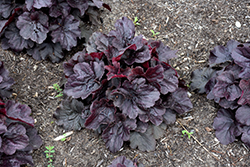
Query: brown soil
point(193, 27)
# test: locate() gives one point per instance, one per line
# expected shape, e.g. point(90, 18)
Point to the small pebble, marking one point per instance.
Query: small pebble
point(237, 23)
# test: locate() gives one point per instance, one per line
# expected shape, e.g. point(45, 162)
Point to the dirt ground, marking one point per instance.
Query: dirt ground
point(193, 27)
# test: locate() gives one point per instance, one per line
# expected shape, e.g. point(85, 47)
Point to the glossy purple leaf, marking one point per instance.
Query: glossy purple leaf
point(14, 139)
point(178, 101)
point(101, 113)
point(245, 96)
point(227, 86)
point(82, 5)
point(19, 112)
point(3, 128)
point(121, 162)
point(98, 3)
point(241, 55)
point(35, 141)
point(14, 40)
point(200, 78)
point(223, 102)
point(221, 54)
point(157, 131)
point(141, 126)
point(97, 42)
point(84, 80)
point(33, 26)
point(38, 4)
point(66, 32)
point(242, 115)
point(5, 82)
point(225, 126)
point(52, 51)
point(71, 114)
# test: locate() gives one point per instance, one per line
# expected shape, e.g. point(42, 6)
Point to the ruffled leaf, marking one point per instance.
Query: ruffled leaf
point(33, 26)
point(242, 115)
point(5, 82)
point(38, 4)
point(82, 5)
point(71, 114)
point(245, 96)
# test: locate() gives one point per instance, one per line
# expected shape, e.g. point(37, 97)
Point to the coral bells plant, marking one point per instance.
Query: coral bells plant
point(226, 81)
point(45, 28)
point(123, 87)
point(18, 136)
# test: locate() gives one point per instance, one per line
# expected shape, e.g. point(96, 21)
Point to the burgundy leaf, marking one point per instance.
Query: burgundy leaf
point(6, 7)
point(101, 113)
point(20, 112)
point(17, 159)
point(66, 32)
point(33, 26)
point(97, 42)
point(84, 81)
point(5, 82)
point(121, 162)
point(246, 135)
point(115, 71)
point(58, 9)
point(14, 139)
point(169, 116)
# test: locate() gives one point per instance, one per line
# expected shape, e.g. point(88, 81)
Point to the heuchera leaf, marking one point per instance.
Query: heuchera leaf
point(200, 78)
point(66, 32)
point(38, 4)
point(245, 96)
point(115, 134)
point(71, 114)
point(158, 131)
point(6, 7)
point(52, 51)
point(121, 162)
point(97, 42)
point(17, 159)
point(17, 111)
point(178, 101)
point(14, 40)
point(84, 80)
point(14, 139)
point(82, 5)
point(221, 54)
point(161, 51)
point(33, 26)
point(242, 115)
point(101, 113)
point(226, 86)
point(5, 82)
point(225, 126)
point(58, 9)
point(115, 71)
point(144, 141)
point(246, 135)
point(133, 96)
point(169, 116)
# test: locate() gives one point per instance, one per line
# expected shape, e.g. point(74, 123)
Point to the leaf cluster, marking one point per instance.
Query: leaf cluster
point(226, 81)
point(45, 28)
point(48, 152)
point(18, 136)
point(124, 88)
point(122, 161)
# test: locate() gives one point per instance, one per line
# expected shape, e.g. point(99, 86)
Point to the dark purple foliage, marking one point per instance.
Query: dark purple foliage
point(18, 137)
point(5, 82)
point(229, 86)
point(123, 162)
point(45, 28)
point(133, 92)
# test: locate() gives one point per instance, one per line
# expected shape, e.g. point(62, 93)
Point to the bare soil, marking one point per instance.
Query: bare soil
point(193, 27)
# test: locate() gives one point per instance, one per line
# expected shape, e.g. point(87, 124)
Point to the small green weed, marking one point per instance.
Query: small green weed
point(154, 34)
point(186, 132)
point(63, 139)
point(58, 89)
point(49, 155)
point(136, 21)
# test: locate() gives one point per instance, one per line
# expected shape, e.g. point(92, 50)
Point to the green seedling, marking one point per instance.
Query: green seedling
point(186, 132)
point(136, 21)
point(58, 89)
point(63, 139)
point(154, 34)
point(49, 155)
